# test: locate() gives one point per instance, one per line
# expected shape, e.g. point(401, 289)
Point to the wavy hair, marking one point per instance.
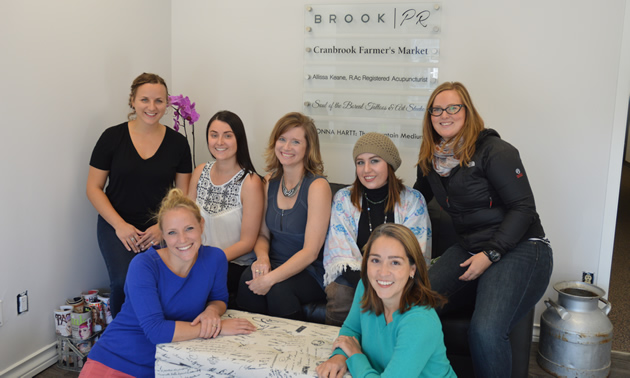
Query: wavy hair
point(464, 141)
point(312, 158)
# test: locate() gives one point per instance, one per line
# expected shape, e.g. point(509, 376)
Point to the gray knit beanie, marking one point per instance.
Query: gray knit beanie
point(380, 145)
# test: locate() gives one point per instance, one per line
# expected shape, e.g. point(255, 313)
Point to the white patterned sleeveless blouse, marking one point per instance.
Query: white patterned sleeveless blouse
point(222, 211)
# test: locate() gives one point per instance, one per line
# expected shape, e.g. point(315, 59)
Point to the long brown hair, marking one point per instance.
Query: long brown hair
point(395, 187)
point(464, 141)
point(312, 158)
point(242, 150)
point(417, 290)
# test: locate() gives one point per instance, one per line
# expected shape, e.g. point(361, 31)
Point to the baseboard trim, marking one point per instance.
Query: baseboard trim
point(33, 364)
point(536, 333)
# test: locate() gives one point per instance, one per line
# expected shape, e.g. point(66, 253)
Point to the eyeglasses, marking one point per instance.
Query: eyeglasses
point(451, 109)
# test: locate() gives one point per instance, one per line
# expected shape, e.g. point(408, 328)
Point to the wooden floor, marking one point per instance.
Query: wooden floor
point(620, 367)
point(57, 372)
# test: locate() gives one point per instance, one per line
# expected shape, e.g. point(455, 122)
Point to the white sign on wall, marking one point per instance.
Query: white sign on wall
point(413, 50)
point(378, 62)
point(365, 105)
point(330, 76)
point(404, 133)
point(391, 18)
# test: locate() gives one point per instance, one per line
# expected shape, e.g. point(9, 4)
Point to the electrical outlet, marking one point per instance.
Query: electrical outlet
point(22, 302)
point(588, 277)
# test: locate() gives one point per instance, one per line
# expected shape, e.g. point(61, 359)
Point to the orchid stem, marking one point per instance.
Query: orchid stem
point(192, 130)
point(178, 114)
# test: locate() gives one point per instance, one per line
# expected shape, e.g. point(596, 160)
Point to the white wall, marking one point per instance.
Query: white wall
point(65, 73)
point(552, 77)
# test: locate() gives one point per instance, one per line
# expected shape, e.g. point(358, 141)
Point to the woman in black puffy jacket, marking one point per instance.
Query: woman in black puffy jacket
point(502, 261)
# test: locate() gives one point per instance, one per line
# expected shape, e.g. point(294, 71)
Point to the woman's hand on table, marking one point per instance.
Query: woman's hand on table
point(349, 344)
point(151, 236)
point(236, 327)
point(334, 367)
point(260, 285)
point(210, 322)
point(129, 236)
point(260, 267)
point(477, 264)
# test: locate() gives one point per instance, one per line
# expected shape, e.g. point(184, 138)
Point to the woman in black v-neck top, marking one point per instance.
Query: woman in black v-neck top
point(140, 160)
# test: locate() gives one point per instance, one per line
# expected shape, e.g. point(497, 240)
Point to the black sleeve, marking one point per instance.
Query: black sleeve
point(505, 172)
point(422, 185)
point(103, 152)
point(184, 164)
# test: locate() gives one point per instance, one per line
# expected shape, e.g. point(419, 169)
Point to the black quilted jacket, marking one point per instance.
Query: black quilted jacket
point(489, 199)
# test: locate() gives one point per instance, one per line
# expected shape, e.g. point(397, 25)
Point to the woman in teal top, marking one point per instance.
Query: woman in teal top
point(392, 329)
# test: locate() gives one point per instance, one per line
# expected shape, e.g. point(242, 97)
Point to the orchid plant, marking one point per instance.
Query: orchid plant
point(186, 110)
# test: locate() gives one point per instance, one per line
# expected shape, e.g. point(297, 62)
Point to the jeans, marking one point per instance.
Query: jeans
point(284, 299)
point(235, 272)
point(503, 294)
point(117, 260)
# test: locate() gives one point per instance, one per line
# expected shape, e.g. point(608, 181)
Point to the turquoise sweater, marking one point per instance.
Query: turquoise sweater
point(412, 345)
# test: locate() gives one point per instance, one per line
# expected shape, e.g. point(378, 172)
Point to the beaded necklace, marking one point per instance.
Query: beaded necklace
point(370, 202)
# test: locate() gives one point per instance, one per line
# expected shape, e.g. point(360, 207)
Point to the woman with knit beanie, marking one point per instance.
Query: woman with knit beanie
point(377, 196)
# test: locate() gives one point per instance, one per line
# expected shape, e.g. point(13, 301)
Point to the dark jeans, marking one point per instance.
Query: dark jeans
point(284, 299)
point(235, 272)
point(117, 260)
point(503, 294)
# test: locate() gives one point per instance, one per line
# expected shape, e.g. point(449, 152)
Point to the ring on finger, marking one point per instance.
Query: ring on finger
point(133, 239)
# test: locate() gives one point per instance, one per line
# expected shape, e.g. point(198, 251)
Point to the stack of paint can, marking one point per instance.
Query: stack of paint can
point(78, 324)
point(63, 324)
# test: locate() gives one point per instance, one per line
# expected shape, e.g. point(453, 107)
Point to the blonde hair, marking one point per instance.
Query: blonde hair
point(312, 159)
point(175, 199)
point(417, 290)
point(466, 138)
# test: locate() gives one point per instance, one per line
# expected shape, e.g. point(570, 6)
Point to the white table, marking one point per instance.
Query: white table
point(279, 348)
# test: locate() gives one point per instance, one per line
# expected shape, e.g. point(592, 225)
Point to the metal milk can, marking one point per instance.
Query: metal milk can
point(575, 333)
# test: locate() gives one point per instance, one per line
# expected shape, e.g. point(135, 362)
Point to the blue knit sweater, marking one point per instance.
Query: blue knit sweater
point(156, 298)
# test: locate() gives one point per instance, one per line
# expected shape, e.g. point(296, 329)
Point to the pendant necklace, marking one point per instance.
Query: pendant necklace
point(370, 202)
point(290, 193)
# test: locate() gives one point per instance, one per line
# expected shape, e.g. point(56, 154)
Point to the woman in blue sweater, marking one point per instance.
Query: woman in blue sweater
point(172, 294)
point(392, 329)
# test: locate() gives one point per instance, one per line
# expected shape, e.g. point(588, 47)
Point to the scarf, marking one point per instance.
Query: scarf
point(444, 158)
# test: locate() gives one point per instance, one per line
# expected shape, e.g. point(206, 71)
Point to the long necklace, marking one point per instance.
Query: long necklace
point(370, 202)
point(290, 193)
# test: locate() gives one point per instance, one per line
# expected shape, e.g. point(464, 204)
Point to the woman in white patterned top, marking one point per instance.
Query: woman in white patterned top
point(229, 192)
